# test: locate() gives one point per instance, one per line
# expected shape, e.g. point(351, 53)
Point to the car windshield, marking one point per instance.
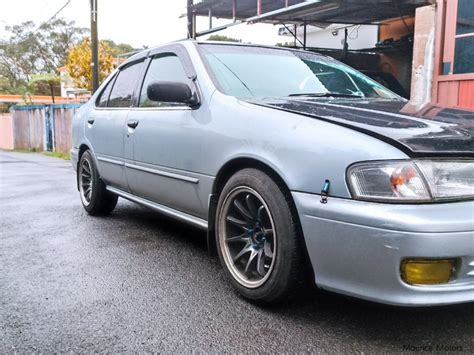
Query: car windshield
point(247, 72)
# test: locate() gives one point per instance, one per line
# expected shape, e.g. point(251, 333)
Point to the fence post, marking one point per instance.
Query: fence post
point(29, 130)
point(53, 129)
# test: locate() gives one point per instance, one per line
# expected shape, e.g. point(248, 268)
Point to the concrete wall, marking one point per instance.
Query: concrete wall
point(423, 56)
point(6, 131)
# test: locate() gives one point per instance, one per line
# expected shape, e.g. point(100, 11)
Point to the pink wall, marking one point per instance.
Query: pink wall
point(6, 131)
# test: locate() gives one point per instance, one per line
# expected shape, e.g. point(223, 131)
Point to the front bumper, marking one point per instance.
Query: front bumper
point(356, 247)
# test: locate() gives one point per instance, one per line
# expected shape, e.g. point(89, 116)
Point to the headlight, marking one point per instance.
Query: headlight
point(412, 181)
point(454, 179)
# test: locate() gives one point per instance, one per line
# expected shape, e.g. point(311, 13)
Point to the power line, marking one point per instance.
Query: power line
point(55, 14)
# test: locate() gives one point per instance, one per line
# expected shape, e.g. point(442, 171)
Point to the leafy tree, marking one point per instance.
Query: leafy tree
point(33, 50)
point(4, 85)
point(117, 49)
point(223, 38)
point(79, 61)
point(42, 83)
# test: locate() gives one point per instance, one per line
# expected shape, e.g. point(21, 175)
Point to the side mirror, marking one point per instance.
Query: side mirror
point(170, 91)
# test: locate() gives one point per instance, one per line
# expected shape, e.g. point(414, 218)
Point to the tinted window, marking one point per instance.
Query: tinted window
point(162, 68)
point(465, 22)
point(124, 86)
point(463, 55)
point(464, 45)
point(104, 96)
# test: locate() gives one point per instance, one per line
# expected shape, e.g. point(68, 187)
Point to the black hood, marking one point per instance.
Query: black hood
point(434, 131)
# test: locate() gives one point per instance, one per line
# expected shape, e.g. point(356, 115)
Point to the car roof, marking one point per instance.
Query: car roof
point(185, 42)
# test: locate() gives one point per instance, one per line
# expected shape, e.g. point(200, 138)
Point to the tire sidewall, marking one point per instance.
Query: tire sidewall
point(96, 183)
point(278, 207)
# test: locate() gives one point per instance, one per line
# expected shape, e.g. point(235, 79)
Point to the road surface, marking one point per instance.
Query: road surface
point(137, 281)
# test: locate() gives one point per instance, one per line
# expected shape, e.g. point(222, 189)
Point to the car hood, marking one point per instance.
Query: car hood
point(433, 131)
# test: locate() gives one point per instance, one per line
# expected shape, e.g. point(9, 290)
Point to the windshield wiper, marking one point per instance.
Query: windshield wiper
point(326, 94)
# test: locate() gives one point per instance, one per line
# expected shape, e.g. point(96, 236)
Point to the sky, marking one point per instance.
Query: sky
point(138, 22)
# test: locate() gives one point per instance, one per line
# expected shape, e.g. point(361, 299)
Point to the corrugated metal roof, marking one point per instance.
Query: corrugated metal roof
point(310, 11)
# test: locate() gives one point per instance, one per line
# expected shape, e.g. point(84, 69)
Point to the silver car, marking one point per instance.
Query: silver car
point(300, 168)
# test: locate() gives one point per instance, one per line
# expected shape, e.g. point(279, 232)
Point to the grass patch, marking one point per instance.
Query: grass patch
point(64, 156)
point(60, 155)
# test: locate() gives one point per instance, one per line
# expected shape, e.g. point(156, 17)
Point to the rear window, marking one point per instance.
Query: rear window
point(125, 84)
point(104, 96)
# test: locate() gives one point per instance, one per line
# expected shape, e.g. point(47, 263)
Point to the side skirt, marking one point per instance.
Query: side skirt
point(182, 216)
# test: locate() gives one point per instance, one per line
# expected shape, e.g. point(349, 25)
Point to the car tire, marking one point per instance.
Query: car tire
point(94, 196)
point(263, 266)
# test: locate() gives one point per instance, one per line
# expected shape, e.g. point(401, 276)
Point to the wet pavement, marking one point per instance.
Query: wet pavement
point(136, 281)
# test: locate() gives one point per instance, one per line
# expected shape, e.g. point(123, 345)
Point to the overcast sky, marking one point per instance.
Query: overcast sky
point(137, 22)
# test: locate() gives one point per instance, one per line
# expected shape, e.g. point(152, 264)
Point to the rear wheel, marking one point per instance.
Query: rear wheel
point(257, 237)
point(94, 196)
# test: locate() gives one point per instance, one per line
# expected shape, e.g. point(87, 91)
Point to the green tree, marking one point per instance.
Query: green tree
point(31, 50)
point(223, 38)
point(117, 49)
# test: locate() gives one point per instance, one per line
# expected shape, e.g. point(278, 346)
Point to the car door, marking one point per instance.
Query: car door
point(106, 128)
point(164, 144)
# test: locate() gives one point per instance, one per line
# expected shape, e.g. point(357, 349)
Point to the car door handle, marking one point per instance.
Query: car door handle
point(90, 121)
point(132, 123)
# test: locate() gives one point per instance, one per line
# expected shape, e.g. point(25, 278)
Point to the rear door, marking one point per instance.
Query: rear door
point(106, 128)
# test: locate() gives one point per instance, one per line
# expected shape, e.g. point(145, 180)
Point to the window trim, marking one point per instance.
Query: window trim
point(145, 58)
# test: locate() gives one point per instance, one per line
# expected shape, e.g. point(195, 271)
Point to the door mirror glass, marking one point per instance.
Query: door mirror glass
point(172, 92)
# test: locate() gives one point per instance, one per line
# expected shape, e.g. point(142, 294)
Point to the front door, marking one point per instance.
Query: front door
point(163, 145)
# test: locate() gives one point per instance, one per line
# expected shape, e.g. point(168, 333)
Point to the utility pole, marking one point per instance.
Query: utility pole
point(190, 20)
point(345, 48)
point(94, 46)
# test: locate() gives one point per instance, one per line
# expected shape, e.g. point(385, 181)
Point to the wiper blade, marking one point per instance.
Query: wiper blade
point(326, 94)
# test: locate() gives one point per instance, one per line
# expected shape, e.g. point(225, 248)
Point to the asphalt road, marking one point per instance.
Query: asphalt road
point(136, 281)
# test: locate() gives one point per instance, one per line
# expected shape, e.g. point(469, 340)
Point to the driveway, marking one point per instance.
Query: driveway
point(137, 281)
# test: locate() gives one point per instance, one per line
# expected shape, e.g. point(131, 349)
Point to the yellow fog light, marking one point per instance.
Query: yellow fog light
point(427, 271)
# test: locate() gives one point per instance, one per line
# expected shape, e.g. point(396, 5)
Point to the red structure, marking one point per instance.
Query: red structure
point(453, 80)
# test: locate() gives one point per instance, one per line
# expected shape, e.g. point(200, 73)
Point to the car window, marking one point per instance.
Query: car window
point(333, 78)
point(245, 71)
point(122, 91)
point(104, 96)
point(162, 68)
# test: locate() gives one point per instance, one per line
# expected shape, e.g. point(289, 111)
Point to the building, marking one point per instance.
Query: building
point(428, 45)
point(453, 74)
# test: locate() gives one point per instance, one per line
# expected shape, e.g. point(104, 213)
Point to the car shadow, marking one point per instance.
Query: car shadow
point(165, 227)
point(439, 328)
point(443, 328)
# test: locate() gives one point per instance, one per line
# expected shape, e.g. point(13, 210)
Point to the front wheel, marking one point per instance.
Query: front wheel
point(257, 237)
point(94, 196)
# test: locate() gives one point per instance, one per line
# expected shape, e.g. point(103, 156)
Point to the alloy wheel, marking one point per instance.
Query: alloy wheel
point(247, 237)
point(85, 181)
